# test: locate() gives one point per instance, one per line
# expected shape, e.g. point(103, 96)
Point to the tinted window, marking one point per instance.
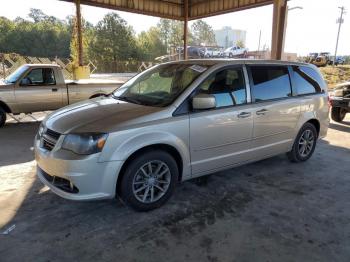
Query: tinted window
point(303, 82)
point(41, 76)
point(316, 76)
point(227, 86)
point(270, 82)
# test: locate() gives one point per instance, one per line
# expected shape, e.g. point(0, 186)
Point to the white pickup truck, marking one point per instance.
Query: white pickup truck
point(41, 87)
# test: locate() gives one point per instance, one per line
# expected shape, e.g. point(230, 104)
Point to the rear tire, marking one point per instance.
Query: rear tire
point(149, 180)
point(304, 144)
point(2, 117)
point(338, 114)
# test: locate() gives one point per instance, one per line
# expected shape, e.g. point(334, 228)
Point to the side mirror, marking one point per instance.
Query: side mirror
point(203, 101)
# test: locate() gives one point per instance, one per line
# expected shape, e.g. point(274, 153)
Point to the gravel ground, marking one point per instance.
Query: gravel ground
point(271, 210)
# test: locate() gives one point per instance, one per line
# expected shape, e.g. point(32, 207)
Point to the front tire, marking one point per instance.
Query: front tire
point(149, 180)
point(2, 117)
point(338, 114)
point(304, 144)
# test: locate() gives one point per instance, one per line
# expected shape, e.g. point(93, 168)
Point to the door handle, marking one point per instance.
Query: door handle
point(244, 115)
point(54, 89)
point(262, 112)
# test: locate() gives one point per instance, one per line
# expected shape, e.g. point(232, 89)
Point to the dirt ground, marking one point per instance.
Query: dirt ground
point(272, 210)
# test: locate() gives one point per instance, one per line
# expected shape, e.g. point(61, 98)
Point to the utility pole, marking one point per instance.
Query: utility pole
point(80, 37)
point(185, 29)
point(259, 42)
point(339, 21)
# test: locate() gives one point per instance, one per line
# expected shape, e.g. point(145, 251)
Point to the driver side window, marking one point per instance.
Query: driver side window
point(227, 86)
point(39, 77)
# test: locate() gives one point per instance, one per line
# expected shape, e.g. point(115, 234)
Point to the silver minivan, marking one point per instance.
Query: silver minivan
point(177, 121)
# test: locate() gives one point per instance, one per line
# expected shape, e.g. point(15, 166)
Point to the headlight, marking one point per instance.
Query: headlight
point(84, 144)
point(41, 130)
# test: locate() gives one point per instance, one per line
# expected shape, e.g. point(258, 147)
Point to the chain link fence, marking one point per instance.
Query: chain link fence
point(10, 62)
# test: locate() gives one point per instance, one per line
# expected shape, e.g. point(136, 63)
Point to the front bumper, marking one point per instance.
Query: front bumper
point(80, 179)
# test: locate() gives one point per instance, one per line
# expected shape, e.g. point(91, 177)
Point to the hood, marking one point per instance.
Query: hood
point(4, 84)
point(104, 114)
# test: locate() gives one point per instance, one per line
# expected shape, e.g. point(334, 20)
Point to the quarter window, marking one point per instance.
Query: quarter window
point(227, 86)
point(270, 82)
point(305, 81)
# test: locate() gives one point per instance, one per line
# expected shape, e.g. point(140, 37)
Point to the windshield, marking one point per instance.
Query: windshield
point(161, 85)
point(16, 74)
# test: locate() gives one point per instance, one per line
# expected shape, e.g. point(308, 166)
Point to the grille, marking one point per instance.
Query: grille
point(49, 139)
point(59, 182)
point(53, 134)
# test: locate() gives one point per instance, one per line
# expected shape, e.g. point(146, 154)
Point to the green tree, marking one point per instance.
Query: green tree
point(44, 36)
point(150, 44)
point(37, 15)
point(202, 33)
point(113, 41)
point(6, 30)
point(240, 43)
point(171, 32)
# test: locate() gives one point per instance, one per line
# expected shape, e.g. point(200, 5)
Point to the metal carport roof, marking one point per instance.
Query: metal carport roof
point(174, 9)
point(186, 10)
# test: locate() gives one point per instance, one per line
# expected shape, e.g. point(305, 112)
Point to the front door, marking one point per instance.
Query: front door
point(221, 137)
point(38, 91)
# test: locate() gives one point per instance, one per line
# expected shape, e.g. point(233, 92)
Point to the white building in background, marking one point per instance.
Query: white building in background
point(227, 36)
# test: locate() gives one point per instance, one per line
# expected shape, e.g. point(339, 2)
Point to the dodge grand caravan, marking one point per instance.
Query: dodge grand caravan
point(177, 121)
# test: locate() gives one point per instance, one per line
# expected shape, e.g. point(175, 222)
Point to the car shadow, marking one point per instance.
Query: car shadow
point(343, 127)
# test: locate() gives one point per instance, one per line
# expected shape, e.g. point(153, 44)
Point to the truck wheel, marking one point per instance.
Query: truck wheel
point(2, 117)
point(304, 144)
point(338, 114)
point(149, 180)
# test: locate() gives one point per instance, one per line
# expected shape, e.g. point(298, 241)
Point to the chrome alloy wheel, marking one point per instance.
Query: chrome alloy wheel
point(306, 143)
point(151, 181)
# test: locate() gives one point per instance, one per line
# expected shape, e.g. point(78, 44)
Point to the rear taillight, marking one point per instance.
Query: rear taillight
point(329, 101)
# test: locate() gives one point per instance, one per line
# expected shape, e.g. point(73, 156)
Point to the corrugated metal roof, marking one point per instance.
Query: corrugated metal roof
point(174, 9)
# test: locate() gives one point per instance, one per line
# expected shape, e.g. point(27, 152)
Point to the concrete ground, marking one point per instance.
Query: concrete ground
point(272, 210)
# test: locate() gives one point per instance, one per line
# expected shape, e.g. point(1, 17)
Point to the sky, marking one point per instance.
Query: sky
point(311, 29)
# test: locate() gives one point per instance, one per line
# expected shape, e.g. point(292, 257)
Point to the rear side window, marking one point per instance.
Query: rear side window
point(270, 82)
point(306, 80)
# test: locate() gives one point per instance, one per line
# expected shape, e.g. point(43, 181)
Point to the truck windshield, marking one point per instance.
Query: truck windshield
point(16, 75)
point(161, 85)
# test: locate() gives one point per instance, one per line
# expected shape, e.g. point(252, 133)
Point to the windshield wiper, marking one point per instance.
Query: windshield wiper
point(127, 99)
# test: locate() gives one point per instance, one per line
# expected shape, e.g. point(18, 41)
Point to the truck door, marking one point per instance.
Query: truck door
point(38, 91)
